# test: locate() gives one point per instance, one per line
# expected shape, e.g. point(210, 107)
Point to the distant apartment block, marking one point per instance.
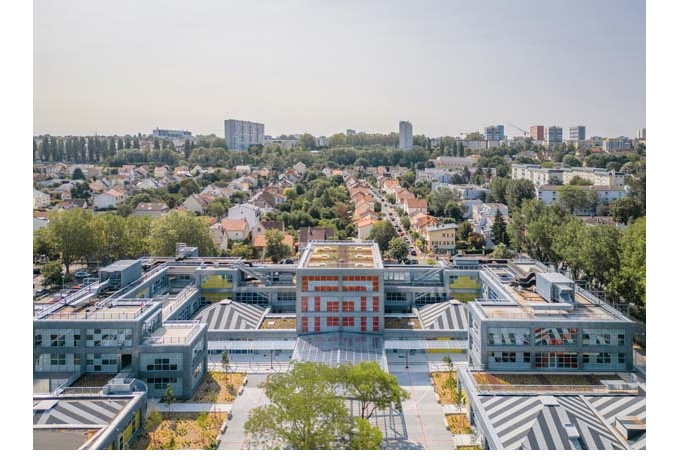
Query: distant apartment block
point(549, 194)
point(537, 133)
point(642, 133)
point(617, 144)
point(494, 133)
point(554, 135)
point(405, 135)
point(172, 134)
point(240, 135)
point(577, 133)
point(544, 176)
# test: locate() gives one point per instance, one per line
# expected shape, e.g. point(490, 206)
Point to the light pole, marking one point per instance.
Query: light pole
point(271, 360)
point(406, 355)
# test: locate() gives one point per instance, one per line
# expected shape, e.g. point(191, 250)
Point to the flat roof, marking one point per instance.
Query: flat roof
point(520, 301)
point(341, 254)
point(174, 332)
point(64, 438)
point(121, 310)
point(119, 265)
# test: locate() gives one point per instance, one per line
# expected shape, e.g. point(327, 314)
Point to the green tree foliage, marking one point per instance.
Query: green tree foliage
point(407, 179)
point(397, 249)
point(307, 142)
point(578, 180)
point(78, 174)
point(575, 198)
point(499, 232)
point(243, 250)
point(498, 187)
point(372, 387)
point(303, 413)
point(626, 210)
point(69, 232)
point(631, 280)
point(382, 233)
point(519, 191)
point(464, 230)
point(169, 397)
point(533, 227)
point(501, 251)
point(275, 248)
point(365, 436)
point(444, 202)
point(51, 273)
point(180, 227)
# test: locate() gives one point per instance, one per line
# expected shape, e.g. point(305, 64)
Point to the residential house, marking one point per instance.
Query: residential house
point(236, 229)
point(421, 220)
point(148, 184)
point(247, 211)
point(155, 209)
point(242, 169)
point(441, 239)
point(309, 234)
point(219, 237)
point(196, 203)
point(364, 227)
point(41, 200)
point(260, 243)
point(108, 200)
point(265, 225)
point(39, 220)
point(160, 171)
point(70, 204)
point(413, 206)
point(300, 168)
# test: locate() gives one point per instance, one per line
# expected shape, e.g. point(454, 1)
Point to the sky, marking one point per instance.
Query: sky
point(450, 67)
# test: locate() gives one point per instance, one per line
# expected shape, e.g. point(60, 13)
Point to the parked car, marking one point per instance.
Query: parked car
point(81, 274)
point(413, 253)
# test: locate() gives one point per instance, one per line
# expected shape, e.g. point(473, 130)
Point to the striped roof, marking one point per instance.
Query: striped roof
point(445, 315)
point(544, 422)
point(232, 315)
point(613, 407)
point(77, 411)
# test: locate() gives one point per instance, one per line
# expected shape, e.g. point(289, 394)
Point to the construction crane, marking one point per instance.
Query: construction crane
point(519, 129)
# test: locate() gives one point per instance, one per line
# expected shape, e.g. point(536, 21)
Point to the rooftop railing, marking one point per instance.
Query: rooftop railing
point(194, 327)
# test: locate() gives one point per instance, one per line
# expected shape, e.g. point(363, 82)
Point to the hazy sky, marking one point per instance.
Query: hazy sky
point(117, 67)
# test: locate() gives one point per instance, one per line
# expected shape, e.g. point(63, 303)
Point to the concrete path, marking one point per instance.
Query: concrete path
point(155, 404)
point(235, 437)
point(424, 417)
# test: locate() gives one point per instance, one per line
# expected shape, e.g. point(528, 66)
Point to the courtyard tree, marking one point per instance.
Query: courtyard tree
point(365, 436)
point(303, 413)
point(169, 397)
point(372, 387)
point(397, 249)
point(51, 273)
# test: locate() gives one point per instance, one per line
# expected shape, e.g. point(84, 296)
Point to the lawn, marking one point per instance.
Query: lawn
point(402, 323)
point(469, 448)
point(181, 431)
point(440, 379)
point(459, 424)
point(214, 383)
point(485, 378)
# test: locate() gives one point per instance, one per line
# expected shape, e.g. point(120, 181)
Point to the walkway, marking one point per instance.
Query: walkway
point(424, 417)
point(235, 437)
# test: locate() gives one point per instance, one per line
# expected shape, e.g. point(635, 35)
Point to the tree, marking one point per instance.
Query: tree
point(533, 228)
point(441, 202)
point(501, 251)
point(578, 180)
point(397, 249)
point(51, 273)
point(169, 397)
point(303, 413)
point(382, 233)
point(225, 362)
point(372, 387)
point(498, 187)
point(519, 191)
point(407, 179)
point(71, 234)
point(275, 248)
point(499, 233)
point(242, 249)
point(78, 174)
point(575, 198)
point(626, 210)
point(458, 396)
point(630, 280)
point(180, 227)
point(464, 230)
point(307, 142)
point(365, 436)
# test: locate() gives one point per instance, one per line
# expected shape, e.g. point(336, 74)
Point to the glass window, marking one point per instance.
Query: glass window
point(508, 336)
point(555, 336)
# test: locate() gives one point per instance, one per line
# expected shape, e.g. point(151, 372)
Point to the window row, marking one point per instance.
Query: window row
point(57, 338)
point(160, 383)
